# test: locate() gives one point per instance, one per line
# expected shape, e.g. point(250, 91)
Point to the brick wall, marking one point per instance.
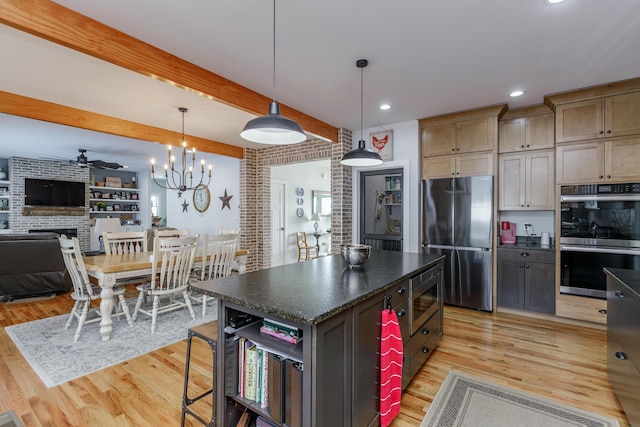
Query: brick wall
point(20, 168)
point(255, 193)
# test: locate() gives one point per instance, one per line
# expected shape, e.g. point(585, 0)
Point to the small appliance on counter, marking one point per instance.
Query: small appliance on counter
point(545, 239)
point(508, 234)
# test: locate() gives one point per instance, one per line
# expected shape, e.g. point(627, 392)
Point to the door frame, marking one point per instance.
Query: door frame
point(284, 218)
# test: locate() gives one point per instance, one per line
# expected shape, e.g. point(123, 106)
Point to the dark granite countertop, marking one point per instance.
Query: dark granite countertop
point(533, 243)
point(312, 291)
point(631, 278)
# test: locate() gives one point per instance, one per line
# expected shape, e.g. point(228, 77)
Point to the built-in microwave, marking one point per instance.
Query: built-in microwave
point(424, 297)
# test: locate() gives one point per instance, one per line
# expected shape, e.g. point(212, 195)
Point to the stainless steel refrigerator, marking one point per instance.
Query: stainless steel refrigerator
point(457, 219)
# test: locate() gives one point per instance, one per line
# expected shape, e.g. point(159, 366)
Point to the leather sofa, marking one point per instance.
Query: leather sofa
point(31, 264)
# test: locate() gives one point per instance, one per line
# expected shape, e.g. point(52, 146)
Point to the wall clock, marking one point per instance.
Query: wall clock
point(201, 198)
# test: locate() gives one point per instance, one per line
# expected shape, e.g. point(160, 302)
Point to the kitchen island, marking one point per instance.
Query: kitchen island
point(338, 313)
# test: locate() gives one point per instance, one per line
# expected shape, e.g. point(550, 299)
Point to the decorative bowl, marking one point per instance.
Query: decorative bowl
point(354, 254)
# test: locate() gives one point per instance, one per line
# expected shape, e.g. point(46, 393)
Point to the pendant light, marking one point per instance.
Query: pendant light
point(273, 128)
point(361, 156)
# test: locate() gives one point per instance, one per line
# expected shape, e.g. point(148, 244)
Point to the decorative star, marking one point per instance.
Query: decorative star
point(179, 194)
point(185, 205)
point(225, 200)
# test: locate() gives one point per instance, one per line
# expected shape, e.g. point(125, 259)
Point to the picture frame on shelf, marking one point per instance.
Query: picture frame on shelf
point(116, 207)
point(382, 143)
point(113, 181)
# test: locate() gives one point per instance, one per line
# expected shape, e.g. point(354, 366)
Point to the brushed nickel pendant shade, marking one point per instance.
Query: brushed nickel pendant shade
point(361, 156)
point(273, 129)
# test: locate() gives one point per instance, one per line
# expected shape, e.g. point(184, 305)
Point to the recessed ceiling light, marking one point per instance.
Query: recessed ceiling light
point(552, 2)
point(385, 106)
point(516, 93)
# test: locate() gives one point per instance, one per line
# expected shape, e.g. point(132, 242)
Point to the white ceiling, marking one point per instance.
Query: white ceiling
point(425, 58)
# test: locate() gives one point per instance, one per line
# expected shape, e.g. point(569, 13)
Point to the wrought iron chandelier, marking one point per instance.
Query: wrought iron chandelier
point(178, 179)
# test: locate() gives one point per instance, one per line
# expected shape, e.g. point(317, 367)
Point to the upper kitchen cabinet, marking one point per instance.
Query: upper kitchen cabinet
point(458, 166)
point(524, 129)
point(527, 181)
point(598, 161)
point(606, 111)
point(469, 131)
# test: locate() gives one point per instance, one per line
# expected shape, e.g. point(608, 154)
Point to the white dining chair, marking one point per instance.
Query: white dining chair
point(170, 278)
point(124, 242)
point(218, 252)
point(83, 290)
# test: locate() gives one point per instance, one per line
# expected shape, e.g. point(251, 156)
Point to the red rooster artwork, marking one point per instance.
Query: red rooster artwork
point(382, 142)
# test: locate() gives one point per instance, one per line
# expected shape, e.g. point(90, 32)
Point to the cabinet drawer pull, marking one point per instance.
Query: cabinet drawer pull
point(620, 355)
point(609, 131)
point(526, 266)
point(522, 146)
point(608, 176)
point(524, 254)
point(601, 132)
point(402, 290)
point(401, 312)
point(603, 311)
point(619, 294)
point(425, 331)
point(521, 265)
point(426, 349)
point(601, 176)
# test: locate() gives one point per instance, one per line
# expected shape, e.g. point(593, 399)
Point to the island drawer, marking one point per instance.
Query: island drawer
point(429, 329)
point(423, 354)
point(400, 292)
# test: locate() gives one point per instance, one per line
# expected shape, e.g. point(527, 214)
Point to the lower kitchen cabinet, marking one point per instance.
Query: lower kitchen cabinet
point(526, 279)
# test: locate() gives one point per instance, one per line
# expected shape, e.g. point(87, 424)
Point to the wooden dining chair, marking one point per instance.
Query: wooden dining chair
point(218, 253)
point(83, 290)
point(305, 250)
point(170, 278)
point(124, 242)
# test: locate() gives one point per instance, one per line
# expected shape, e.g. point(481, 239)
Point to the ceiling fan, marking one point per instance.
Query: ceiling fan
point(83, 162)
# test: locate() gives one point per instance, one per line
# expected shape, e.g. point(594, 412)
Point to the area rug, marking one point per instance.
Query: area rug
point(51, 352)
point(467, 401)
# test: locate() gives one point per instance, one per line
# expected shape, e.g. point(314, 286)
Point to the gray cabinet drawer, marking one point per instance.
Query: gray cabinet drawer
point(430, 328)
point(530, 255)
point(423, 353)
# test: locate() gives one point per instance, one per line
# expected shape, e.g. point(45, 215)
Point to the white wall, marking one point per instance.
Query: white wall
point(406, 154)
point(225, 175)
point(308, 176)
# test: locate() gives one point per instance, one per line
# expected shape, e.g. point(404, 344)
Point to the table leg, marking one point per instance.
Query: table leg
point(107, 282)
point(317, 245)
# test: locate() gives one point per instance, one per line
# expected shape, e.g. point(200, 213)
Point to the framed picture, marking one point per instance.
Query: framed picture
point(382, 143)
point(116, 207)
point(113, 181)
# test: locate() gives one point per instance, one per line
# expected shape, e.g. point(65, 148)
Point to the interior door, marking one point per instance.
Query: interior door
point(278, 241)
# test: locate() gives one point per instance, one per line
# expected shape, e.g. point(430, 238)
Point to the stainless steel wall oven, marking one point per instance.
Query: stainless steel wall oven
point(600, 227)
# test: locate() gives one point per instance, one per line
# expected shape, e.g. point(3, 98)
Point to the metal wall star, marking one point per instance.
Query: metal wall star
point(225, 200)
point(179, 194)
point(185, 205)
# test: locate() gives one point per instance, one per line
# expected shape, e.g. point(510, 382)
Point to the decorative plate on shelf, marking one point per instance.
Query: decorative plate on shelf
point(300, 200)
point(300, 212)
point(300, 191)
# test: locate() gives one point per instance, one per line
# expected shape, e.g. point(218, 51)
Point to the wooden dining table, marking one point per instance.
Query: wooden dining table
point(107, 269)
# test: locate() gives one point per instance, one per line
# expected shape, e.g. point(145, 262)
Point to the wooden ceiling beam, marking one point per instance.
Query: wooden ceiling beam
point(49, 20)
point(31, 108)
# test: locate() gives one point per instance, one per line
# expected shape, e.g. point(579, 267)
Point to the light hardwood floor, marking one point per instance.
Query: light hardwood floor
point(554, 360)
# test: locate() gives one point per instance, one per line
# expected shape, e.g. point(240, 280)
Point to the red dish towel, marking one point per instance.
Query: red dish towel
point(390, 367)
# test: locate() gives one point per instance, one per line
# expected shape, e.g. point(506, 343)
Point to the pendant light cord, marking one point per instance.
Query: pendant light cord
point(361, 101)
point(274, 50)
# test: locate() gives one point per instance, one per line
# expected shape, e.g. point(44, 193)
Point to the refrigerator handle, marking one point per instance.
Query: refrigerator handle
point(459, 268)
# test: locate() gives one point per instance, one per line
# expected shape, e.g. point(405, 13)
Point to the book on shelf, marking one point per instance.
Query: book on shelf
point(250, 372)
point(282, 327)
point(264, 366)
point(279, 334)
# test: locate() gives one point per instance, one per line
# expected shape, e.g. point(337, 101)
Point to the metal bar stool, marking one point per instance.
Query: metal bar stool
point(209, 333)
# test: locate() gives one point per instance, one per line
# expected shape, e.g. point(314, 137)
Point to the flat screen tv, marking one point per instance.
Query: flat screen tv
point(49, 192)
